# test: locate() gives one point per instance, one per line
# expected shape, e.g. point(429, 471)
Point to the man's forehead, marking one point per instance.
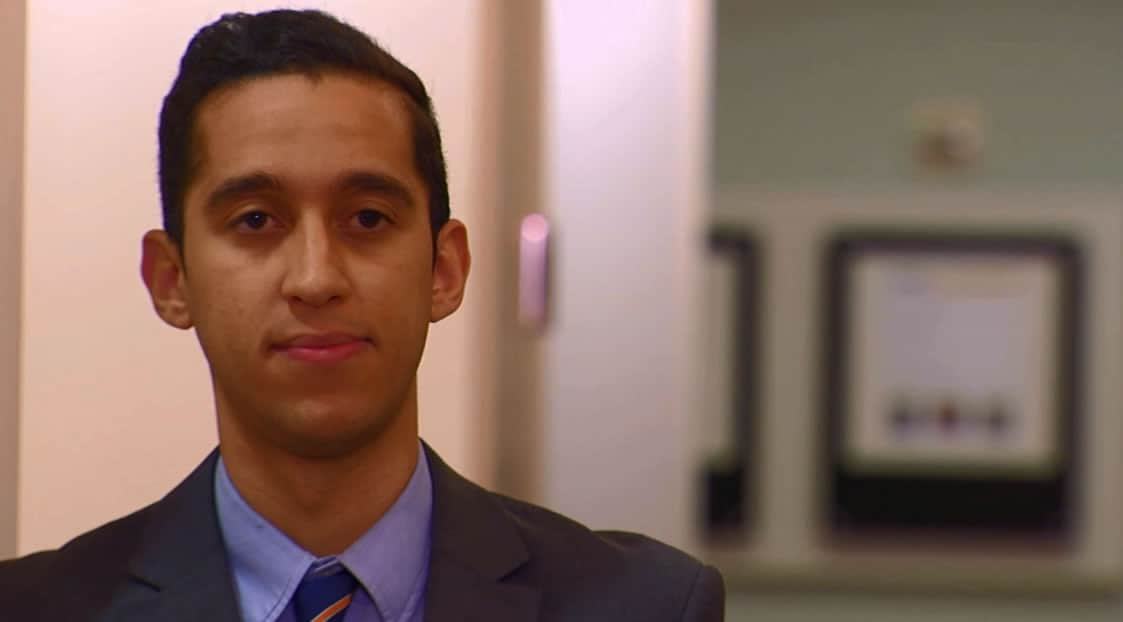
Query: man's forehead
point(276, 118)
point(276, 90)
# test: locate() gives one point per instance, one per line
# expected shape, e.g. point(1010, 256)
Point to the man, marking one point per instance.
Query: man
point(308, 242)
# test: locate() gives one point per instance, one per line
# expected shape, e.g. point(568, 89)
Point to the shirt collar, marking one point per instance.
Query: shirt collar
point(389, 560)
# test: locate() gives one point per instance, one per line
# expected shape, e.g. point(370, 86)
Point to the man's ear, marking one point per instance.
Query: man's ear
point(450, 269)
point(161, 267)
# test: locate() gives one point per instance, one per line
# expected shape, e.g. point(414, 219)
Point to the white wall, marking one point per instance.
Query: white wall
point(116, 407)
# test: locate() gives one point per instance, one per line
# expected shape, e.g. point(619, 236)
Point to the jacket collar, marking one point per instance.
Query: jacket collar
point(475, 546)
point(181, 572)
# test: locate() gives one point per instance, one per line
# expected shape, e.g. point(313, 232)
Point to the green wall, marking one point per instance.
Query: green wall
point(819, 92)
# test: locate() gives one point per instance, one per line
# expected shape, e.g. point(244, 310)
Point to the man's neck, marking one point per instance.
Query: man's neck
point(322, 504)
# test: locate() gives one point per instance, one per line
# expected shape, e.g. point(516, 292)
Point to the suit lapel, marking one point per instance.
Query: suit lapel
point(475, 546)
point(180, 571)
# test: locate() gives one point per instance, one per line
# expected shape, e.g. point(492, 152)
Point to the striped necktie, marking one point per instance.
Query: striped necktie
point(324, 598)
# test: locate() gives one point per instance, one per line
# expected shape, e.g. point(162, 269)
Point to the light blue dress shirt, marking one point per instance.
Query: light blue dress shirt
point(390, 560)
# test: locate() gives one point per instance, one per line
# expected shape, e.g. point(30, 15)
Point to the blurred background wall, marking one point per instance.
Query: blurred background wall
point(12, 70)
point(818, 97)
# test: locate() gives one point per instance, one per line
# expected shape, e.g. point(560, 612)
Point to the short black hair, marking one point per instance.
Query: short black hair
point(241, 46)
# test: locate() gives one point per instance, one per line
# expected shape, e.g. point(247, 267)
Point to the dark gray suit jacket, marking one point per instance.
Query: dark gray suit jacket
point(494, 559)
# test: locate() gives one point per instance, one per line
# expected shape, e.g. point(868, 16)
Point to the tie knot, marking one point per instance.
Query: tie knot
point(321, 598)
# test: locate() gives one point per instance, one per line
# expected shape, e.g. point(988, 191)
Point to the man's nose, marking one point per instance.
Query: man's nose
point(314, 275)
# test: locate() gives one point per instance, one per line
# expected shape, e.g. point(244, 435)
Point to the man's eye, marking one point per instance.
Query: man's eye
point(253, 220)
point(369, 219)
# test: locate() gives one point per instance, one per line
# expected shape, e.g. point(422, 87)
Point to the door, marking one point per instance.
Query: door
point(607, 141)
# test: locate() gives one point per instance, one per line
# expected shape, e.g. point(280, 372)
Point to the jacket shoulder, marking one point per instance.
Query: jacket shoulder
point(627, 575)
point(89, 564)
point(22, 576)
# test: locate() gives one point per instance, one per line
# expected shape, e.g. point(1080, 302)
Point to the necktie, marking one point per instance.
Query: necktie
point(324, 597)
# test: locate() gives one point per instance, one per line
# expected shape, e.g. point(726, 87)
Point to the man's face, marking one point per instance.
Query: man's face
point(310, 277)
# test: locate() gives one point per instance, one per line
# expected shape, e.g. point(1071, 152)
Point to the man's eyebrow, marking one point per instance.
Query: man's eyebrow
point(241, 185)
point(377, 183)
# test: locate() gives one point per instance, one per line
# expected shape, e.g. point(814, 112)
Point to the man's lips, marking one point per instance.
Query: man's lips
point(321, 348)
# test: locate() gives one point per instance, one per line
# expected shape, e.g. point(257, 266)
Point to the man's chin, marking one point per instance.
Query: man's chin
point(314, 427)
point(325, 446)
point(326, 436)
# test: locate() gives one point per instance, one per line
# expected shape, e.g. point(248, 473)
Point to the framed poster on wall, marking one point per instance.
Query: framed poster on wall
point(728, 479)
point(952, 401)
